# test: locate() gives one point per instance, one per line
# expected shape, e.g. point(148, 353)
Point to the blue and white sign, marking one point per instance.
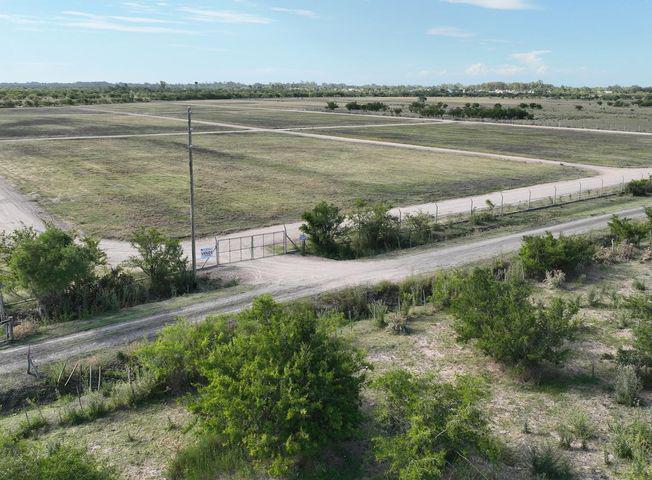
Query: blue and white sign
point(207, 252)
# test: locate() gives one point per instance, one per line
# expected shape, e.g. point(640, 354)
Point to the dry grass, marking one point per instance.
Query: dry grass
point(109, 187)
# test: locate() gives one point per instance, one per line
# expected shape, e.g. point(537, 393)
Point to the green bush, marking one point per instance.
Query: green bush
point(640, 188)
point(626, 229)
point(21, 461)
point(429, 425)
point(201, 459)
point(627, 386)
point(49, 263)
point(281, 390)
point(323, 227)
point(373, 228)
point(633, 441)
point(547, 253)
point(161, 258)
point(499, 315)
point(173, 358)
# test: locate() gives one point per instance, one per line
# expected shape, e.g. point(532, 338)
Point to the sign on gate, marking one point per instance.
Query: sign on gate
point(207, 252)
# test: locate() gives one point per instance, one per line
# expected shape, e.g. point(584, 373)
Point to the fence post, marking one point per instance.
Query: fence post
point(529, 198)
point(252, 246)
point(601, 186)
point(622, 188)
point(502, 202)
point(436, 212)
point(217, 251)
point(554, 199)
point(471, 206)
point(580, 191)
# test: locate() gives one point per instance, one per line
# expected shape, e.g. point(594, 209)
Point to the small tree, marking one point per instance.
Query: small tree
point(323, 226)
point(161, 259)
point(47, 264)
point(373, 228)
point(282, 390)
point(627, 229)
point(332, 106)
point(505, 323)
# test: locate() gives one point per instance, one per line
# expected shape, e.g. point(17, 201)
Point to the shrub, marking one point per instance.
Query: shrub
point(547, 253)
point(323, 227)
point(555, 279)
point(397, 322)
point(507, 326)
point(282, 389)
point(373, 228)
point(548, 463)
point(428, 424)
point(633, 441)
point(378, 313)
point(627, 386)
point(332, 106)
point(173, 357)
point(581, 428)
point(201, 459)
point(639, 188)
point(593, 297)
point(420, 226)
point(625, 229)
point(638, 285)
point(161, 258)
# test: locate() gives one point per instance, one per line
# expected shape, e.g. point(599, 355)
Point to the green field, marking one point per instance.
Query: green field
point(567, 146)
point(109, 187)
point(56, 122)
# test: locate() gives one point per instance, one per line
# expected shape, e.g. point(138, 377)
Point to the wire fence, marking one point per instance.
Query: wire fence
point(246, 248)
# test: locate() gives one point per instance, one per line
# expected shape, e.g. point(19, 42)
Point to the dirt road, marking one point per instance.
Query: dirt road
point(289, 277)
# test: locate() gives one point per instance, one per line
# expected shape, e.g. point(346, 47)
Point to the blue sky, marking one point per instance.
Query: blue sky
point(572, 42)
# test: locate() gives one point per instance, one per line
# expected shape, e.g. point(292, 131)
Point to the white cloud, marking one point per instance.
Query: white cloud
point(497, 4)
point(224, 16)
point(508, 70)
point(532, 60)
point(20, 19)
point(294, 11)
point(90, 21)
point(453, 32)
point(477, 69)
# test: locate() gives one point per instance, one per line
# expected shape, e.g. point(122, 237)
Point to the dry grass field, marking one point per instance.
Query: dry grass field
point(243, 181)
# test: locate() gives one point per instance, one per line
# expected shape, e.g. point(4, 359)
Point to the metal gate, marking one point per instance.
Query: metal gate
point(248, 247)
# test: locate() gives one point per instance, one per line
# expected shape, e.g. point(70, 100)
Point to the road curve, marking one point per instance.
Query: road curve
point(290, 277)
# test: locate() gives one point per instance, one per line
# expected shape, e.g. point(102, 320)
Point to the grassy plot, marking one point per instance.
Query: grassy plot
point(53, 122)
point(567, 146)
point(234, 114)
point(243, 181)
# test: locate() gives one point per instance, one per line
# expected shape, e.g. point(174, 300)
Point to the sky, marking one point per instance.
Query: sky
point(417, 42)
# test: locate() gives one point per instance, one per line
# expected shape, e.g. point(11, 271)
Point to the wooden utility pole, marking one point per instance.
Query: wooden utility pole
point(192, 195)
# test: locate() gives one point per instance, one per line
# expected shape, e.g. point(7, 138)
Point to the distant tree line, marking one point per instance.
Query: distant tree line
point(89, 93)
point(471, 110)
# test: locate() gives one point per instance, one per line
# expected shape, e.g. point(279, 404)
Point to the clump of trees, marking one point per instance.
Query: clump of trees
point(640, 188)
point(367, 107)
point(470, 110)
point(69, 278)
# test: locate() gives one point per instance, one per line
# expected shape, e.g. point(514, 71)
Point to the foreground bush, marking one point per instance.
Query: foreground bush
point(499, 315)
point(22, 462)
point(429, 425)
point(547, 253)
point(282, 389)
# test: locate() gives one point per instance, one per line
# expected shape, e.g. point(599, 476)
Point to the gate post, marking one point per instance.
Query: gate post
point(252, 246)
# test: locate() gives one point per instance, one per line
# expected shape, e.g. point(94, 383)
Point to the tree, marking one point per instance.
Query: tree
point(161, 259)
point(627, 229)
point(332, 106)
point(47, 264)
point(282, 389)
point(323, 226)
point(373, 227)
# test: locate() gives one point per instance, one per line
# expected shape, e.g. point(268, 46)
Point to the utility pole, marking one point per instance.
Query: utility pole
point(192, 195)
